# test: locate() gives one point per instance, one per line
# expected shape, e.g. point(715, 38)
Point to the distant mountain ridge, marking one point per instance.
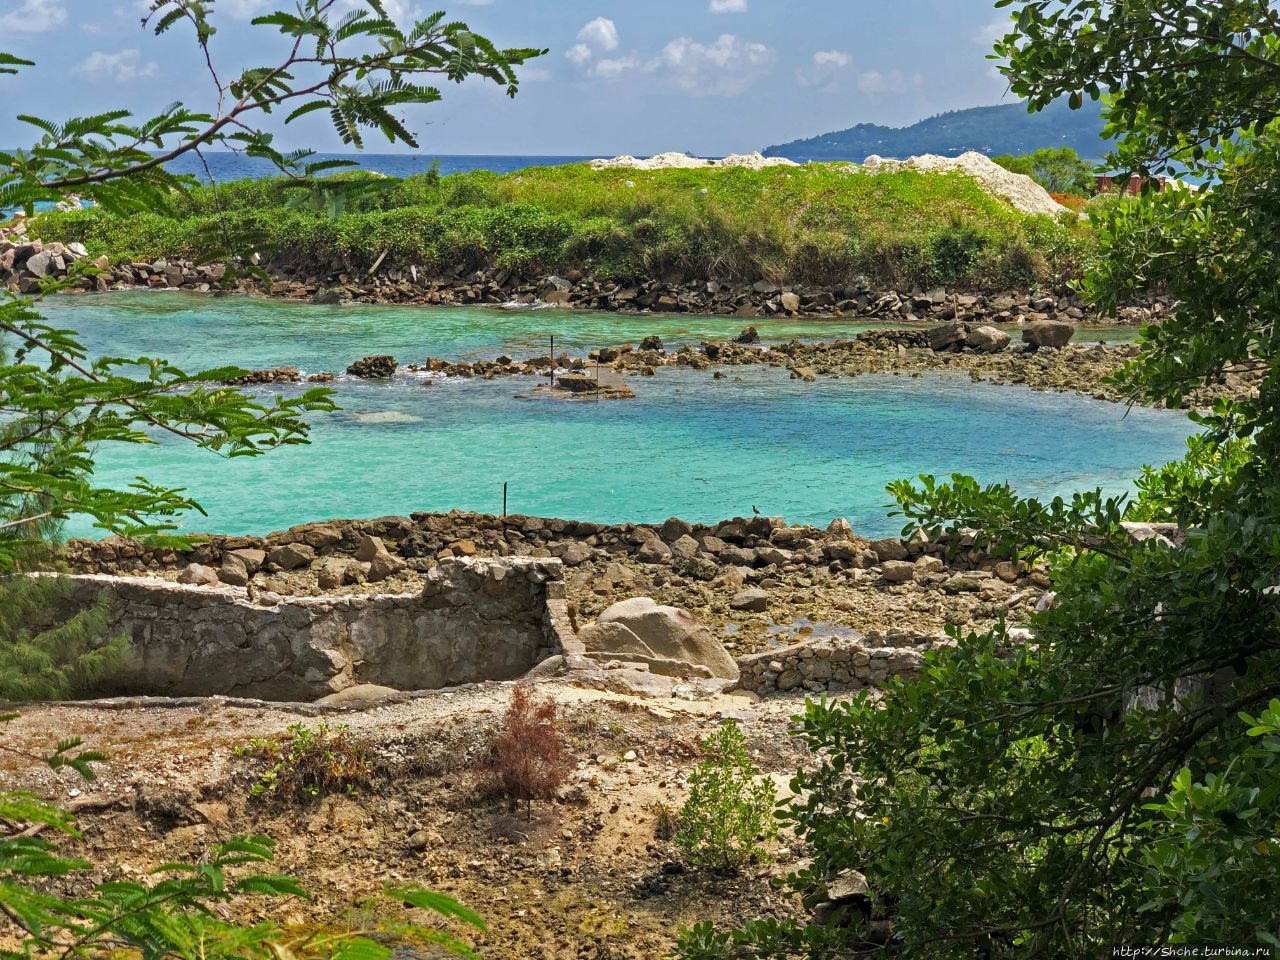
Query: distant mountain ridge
point(1005, 128)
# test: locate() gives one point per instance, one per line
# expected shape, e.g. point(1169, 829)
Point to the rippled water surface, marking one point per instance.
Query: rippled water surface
point(687, 446)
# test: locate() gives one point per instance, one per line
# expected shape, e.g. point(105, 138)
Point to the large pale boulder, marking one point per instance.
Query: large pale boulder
point(987, 339)
point(641, 628)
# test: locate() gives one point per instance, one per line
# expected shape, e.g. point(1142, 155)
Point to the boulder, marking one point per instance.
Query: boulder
point(291, 556)
point(641, 627)
point(197, 574)
point(329, 296)
point(790, 302)
point(806, 374)
point(748, 335)
point(1048, 333)
point(651, 343)
point(384, 565)
point(368, 548)
point(362, 693)
point(653, 551)
point(948, 335)
point(840, 529)
point(987, 340)
point(42, 264)
point(234, 571)
point(379, 367)
point(333, 572)
point(675, 528)
point(898, 571)
point(750, 600)
point(890, 548)
point(575, 553)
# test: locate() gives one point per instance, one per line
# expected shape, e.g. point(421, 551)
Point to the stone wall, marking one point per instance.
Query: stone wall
point(834, 665)
point(475, 619)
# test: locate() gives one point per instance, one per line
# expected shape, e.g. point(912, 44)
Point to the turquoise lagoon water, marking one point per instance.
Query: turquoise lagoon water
point(687, 446)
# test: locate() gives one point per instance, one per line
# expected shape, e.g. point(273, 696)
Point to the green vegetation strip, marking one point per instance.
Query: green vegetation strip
point(820, 224)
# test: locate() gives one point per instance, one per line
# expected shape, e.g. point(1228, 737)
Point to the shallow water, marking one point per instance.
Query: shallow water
point(687, 446)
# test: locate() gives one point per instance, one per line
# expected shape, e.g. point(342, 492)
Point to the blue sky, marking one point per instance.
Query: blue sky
point(705, 76)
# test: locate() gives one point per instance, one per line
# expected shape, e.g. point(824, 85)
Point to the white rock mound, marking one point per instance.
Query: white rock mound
point(1017, 188)
point(682, 161)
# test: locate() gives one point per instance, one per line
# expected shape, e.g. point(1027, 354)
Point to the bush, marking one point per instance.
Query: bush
point(528, 758)
point(818, 224)
point(728, 814)
point(311, 763)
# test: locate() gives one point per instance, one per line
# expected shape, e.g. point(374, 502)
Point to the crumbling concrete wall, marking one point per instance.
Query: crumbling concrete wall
point(475, 619)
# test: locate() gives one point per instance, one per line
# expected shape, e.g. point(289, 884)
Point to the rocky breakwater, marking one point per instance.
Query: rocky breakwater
point(762, 299)
point(25, 264)
point(741, 577)
point(389, 282)
point(470, 620)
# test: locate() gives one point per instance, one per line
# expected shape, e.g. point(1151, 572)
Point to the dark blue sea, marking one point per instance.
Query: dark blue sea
point(226, 166)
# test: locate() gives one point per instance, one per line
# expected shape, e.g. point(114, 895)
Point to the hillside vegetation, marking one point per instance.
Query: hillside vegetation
point(821, 224)
point(1005, 128)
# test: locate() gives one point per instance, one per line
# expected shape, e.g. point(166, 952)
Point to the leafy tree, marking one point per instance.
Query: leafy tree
point(58, 406)
point(1115, 781)
point(1057, 169)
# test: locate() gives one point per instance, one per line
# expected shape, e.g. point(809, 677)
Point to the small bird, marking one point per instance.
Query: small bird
point(755, 510)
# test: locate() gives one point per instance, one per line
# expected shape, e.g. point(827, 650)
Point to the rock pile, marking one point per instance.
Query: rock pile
point(379, 367)
point(25, 263)
point(340, 282)
point(682, 161)
point(1020, 190)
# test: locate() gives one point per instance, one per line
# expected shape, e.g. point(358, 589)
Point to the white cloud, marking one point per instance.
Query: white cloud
point(600, 34)
point(612, 69)
point(874, 82)
point(728, 6)
point(33, 16)
point(724, 68)
point(826, 70)
point(991, 31)
point(579, 53)
point(119, 67)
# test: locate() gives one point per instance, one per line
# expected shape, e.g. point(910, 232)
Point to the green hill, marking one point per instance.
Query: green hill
point(1006, 128)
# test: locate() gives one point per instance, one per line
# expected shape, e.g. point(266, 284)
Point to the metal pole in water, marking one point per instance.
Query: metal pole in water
point(504, 500)
point(553, 359)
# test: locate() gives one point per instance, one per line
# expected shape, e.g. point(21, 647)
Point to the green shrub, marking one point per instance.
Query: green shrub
point(310, 763)
point(729, 813)
point(819, 224)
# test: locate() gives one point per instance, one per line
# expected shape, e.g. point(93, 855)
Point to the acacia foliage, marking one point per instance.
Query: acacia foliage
point(1116, 781)
point(58, 406)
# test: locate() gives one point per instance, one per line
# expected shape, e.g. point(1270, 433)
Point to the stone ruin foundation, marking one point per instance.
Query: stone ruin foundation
point(475, 619)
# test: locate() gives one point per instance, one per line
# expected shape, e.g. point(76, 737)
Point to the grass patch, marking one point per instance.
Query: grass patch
point(821, 225)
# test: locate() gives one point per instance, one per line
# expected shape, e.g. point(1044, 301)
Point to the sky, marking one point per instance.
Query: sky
point(708, 77)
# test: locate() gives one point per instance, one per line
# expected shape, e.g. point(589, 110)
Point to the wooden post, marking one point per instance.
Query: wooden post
point(553, 360)
point(504, 500)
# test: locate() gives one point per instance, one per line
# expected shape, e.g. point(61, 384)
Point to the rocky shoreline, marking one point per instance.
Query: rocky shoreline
point(1044, 360)
point(756, 581)
point(25, 261)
